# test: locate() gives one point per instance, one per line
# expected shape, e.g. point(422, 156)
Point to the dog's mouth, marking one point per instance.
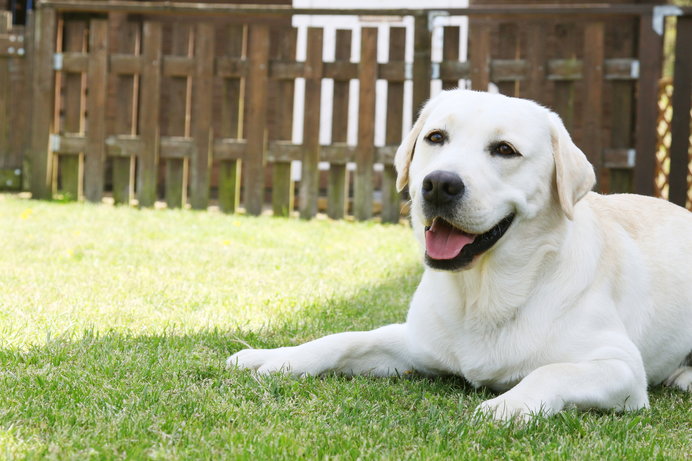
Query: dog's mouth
point(450, 248)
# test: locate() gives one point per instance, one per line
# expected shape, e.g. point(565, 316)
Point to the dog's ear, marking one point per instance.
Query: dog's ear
point(404, 154)
point(573, 172)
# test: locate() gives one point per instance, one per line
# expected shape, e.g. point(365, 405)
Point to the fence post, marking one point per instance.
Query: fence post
point(680, 125)
point(97, 76)
point(650, 46)
point(202, 115)
point(365, 152)
point(43, 93)
point(256, 102)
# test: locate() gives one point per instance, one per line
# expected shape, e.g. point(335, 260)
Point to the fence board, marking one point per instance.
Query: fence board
point(365, 153)
point(71, 166)
point(177, 94)
point(283, 189)
point(479, 49)
point(149, 110)
point(535, 85)
point(124, 94)
point(564, 93)
point(5, 104)
point(15, 99)
point(650, 57)
point(43, 93)
point(592, 143)
point(258, 56)
point(231, 124)
point(422, 67)
point(309, 178)
point(337, 188)
point(391, 200)
point(97, 76)
point(507, 59)
point(202, 113)
point(450, 52)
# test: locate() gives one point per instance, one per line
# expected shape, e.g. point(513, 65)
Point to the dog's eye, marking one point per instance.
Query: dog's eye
point(436, 137)
point(504, 149)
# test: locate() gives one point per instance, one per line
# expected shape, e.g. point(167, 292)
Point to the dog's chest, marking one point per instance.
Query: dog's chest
point(485, 352)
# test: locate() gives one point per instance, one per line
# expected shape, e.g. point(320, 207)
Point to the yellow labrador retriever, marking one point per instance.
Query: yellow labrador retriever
point(534, 286)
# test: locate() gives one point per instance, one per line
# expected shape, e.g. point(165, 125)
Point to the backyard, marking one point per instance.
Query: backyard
point(115, 324)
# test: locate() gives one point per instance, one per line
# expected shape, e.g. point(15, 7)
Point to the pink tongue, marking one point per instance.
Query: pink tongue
point(442, 241)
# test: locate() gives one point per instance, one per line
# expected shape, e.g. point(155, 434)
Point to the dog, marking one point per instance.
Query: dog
point(535, 287)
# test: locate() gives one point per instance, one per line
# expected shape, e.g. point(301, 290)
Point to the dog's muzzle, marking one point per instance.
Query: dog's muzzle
point(448, 247)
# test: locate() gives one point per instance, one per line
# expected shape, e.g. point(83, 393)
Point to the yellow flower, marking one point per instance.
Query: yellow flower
point(26, 213)
point(226, 243)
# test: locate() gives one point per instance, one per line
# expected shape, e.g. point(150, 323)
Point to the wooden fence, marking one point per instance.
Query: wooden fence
point(146, 100)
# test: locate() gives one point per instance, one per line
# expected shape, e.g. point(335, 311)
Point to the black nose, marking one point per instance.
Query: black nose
point(442, 187)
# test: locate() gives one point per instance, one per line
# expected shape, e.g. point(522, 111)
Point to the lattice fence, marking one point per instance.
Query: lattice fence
point(665, 115)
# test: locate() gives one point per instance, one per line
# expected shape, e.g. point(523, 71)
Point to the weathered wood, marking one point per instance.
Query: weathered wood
point(450, 53)
point(283, 189)
point(71, 167)
point(147, 161)
point(15, 99)
point(621, 99)
point(365, 154)
point(5, 101)
point(535, 86)
point(229, 185)
point(256, 101)
point(123, 99)
point(479, 33)
point(564, 91)
point(678, 187)
point(309, 180)
point(43, 93)
point(337, 187)
point(506, 70)
point(621, 136)
point(422, 51)
point(202, 113)
point(231, 123)
point(650, 58)
point(177, 95)
point(126, 64)
point(97, 76)
point(592, 108)
point(391, 200)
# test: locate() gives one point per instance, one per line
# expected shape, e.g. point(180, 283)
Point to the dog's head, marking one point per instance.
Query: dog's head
point(477, 164)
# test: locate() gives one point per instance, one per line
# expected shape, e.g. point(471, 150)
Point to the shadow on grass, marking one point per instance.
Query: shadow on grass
point(200, 355)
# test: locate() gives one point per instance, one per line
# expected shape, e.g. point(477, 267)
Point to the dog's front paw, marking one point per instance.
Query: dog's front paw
point(508, 407)
point(266, 361)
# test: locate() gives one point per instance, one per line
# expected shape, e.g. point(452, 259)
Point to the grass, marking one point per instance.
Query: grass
point(115, 323)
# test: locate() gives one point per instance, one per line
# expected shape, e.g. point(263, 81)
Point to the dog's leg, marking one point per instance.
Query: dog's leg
point(682, 377)
point(607, 383)
point(380, 352)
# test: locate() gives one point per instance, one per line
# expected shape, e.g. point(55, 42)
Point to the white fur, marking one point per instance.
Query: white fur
point(584, 301)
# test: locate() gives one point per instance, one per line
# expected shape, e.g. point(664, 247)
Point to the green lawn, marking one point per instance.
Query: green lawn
point(115, 324)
